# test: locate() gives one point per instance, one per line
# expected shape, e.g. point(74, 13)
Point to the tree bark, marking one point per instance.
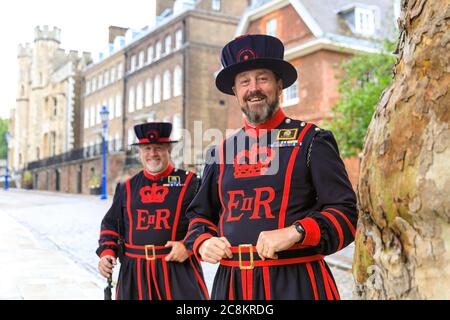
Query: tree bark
point(403, 235)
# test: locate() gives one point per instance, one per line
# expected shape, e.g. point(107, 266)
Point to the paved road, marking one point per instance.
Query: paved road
point(65, 228)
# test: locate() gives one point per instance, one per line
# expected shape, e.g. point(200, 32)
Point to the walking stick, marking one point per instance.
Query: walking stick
point(107, 291)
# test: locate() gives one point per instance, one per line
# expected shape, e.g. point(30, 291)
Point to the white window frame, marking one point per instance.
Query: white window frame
point(167, 44)
point(106, 78)
point(92, 117)
point(178, 39)
point(150, 54)
point(148, 92)
point(86, 118)
point(133, 63)
point(120, 71)
point(141, 59)
point(167, 79)
point(364, 21)
point(98, 118)
point(111, 107)
point(215, 5)
point(158, 50)
point(177, 81)
point(157, 89)
point(271, 27)
point(94, 84)
point(290, 95)
point(88, 87)
point(112, 74)
point(139, 96)
point(118, 106)
point(131, 99)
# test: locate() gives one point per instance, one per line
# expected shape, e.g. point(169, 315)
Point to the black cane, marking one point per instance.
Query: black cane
point(107, 291)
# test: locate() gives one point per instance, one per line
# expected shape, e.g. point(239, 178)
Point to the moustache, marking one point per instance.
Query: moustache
point(257, 95)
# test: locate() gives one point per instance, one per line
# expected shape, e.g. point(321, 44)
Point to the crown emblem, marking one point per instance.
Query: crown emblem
point(253, 162)
point(153, 194)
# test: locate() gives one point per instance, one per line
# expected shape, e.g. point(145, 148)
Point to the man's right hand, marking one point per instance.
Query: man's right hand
point(105, 267)
point(215, 249)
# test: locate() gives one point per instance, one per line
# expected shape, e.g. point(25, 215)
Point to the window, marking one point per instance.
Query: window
point(88, 87)
point(168, 44)
point(131, 137)
point(112, 74)
point(118, 106)
point(100, 80)
point(148, 92)
point(150, 54)
point(158, 50)
point(86, 118)
point(120, 71)
point(177, 82)
point(106, 78)
point(141, 59)
point(364, 21)
point(178, 39)
point(167, 85)
point(157, 91)
point(111, 108)
point(133, 63)
point(139, 96)
point(177, 127)
point(110, 143)
point(131, 100)
point(98, 119)
point(216, 5)
point(92, 118)
point(94, 84)
point(271, 27)
point(118, 143)
point(290, 95)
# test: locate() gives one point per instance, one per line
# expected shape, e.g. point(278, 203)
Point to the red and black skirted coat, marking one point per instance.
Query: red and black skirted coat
point(147, 211)
point(261, 179)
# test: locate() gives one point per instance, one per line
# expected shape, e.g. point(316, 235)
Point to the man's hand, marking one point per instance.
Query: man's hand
point(105, 267)
point(270, 242)
point(178, 253)
point(215, 249)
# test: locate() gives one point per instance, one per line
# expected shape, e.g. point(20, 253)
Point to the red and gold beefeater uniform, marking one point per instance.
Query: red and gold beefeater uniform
point(147, 211)
point(239, 198)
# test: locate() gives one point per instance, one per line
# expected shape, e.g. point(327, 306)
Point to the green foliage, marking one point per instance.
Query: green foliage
point(3, 130)
point(366, 76)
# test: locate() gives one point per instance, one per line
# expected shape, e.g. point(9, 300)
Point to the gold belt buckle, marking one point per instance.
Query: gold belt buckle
point(251, 266)
point(152, 247)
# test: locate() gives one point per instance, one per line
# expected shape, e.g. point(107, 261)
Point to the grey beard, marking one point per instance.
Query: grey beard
point(262, 116)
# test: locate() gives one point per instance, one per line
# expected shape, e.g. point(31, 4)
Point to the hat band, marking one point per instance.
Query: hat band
point(145, 140)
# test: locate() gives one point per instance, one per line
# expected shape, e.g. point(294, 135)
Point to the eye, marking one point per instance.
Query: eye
point(244, 82)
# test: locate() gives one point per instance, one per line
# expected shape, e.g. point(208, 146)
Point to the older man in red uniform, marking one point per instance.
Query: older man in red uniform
point(275, 197)
point(148, 216)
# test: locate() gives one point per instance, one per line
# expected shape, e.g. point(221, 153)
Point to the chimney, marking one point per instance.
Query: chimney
point(115, 31)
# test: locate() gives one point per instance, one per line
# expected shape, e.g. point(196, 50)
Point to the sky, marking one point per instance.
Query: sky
point(83, 23)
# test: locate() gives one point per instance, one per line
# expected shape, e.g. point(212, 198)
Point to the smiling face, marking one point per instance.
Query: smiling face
point(258, 94)
point(155, 157)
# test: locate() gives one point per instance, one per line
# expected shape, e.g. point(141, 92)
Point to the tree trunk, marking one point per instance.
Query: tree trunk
point(403, 235)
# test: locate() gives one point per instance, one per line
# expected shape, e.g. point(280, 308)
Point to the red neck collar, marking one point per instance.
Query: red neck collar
point(272, 123)
point(161, 174)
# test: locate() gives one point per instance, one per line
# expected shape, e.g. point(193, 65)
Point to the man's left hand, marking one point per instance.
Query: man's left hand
point(178, 253)
point(270, 242)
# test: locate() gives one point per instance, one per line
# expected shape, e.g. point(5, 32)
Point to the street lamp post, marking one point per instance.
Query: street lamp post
point(8, 140)
point(104, 113)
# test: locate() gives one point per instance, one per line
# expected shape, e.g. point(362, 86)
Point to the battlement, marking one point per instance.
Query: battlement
point(24, 50)
point(46, 34)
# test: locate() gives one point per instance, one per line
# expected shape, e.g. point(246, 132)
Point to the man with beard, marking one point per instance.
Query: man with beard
point(148, 217)
point(275, 197)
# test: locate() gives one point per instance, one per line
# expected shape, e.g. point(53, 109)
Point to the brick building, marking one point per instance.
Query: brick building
point(163, 72)
point(318, 37)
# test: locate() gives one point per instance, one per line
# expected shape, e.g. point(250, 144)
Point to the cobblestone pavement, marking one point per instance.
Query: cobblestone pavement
point(69, 225)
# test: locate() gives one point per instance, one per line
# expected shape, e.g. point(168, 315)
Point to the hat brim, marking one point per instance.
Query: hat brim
point(143, 143)
point(225, 78)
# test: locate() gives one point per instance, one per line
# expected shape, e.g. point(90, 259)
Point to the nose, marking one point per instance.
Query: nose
point(253, 86)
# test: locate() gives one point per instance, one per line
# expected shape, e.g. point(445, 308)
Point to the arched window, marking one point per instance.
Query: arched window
point(148, 92)
point(157, 91)
point(167, 85)
point(139, 96)
point(177, 126)
point(177, 82)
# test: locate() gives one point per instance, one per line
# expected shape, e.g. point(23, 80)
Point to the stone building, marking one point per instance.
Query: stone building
point(318, 37)
point(163, 72)
point(45, 119)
